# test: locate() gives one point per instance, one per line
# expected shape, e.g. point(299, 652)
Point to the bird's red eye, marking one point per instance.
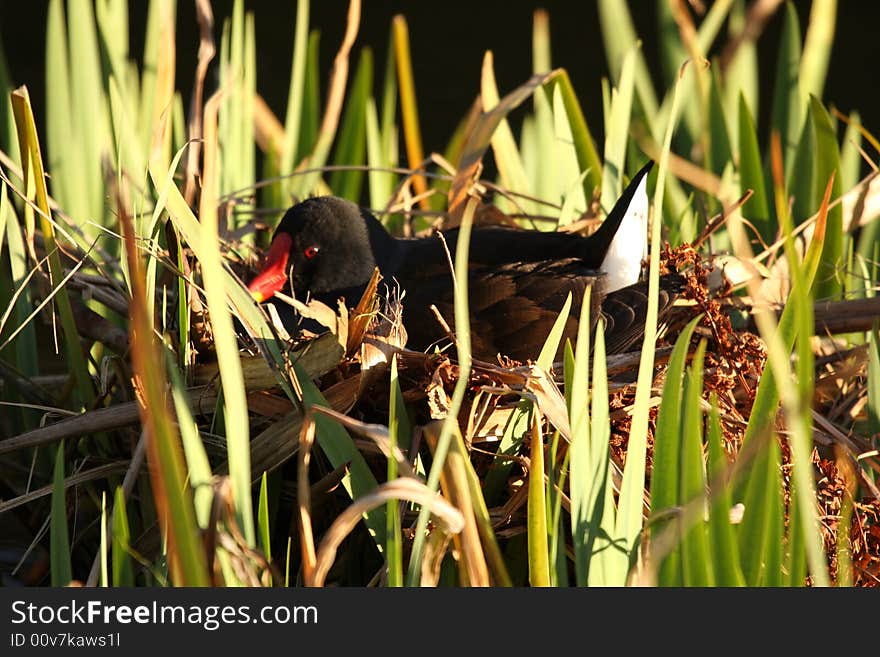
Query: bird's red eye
point(311, 252)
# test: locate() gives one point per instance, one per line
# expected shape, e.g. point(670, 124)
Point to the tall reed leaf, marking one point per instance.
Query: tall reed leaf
point(122, 570)
point(235, 403)
point(59, 542)
point(629, 514)
point(829, 277)
point(35, 188)
point(665, 474)
point(539, 563)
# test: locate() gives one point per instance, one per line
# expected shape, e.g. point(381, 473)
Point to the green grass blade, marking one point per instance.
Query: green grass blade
point(103, 580)
point(829, 277)
point(697, 568)
point(235, 410)
point(61, 140)
point(88, 109)
point(340, 450)
point(507, 156)
point(409, 111)
point(380, 183)
point(582, 468)
point(59, 541)
point(122, 570)
point(817, 48)
point(8, 136)
point(725, 554)
point(26, 354)
point(584, 146)
point(197, 464)
point(720, 151)
point(741, 77)
point(667, 450)
point(32, 162)
point(605, 568)
point(264, 531)
point(802, 175)
point(850, 158)
point(396, 429)
point(539, 562)
point(629, 514)
point(293, 119)
point(617, 134)
point(351, 143)
point(311, 112)
point(619, 36)
point(874, 381)
point(787, 110)
point(751, 174)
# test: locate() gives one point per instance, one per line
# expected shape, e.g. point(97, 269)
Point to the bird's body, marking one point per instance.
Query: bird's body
point(518, 280)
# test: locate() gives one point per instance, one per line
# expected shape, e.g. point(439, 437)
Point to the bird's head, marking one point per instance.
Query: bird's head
point(329, 244)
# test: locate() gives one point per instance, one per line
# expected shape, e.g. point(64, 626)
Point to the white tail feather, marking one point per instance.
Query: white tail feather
point(623, 261)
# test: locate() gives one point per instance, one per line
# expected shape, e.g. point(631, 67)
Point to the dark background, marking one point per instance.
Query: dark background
point(448, 39)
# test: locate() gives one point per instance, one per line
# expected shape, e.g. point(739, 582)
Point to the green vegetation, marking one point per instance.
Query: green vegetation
point(203, 447)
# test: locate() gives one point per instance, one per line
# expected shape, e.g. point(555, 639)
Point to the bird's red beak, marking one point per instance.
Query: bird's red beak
point(274, 274)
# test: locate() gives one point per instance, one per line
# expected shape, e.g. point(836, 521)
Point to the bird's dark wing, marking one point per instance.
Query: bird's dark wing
point(625, 311)
point(512, 306)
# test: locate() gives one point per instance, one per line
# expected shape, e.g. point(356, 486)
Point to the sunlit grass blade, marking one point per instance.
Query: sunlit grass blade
point(539, 563)
point(760, 534)
point(309, 182)
point(122, 570)
point(850, 157)
point(827, 161)
point(751, 174)
point(398, 426)
point(667, 451)
point(817, 48)
point(507, 157)
point(8, 136)
point(725, 555)
point(293, 119)
point(225, 341)
point(802, 173)
point(606, 569)
point(787, 113)
point(59, 548)
point(351, 142)
point(197, 465)
point(874, 381)
point(264, 531)
point(629, 514)
point(582, 140)
point(582, 468)
point(89, 108)
point(720, 152)
point(617, 135)
point(26, 357)
point(409, 111)
point(696, 561)
point(311, 111)
point(741, 76)
point(35, 187)
point(619, 36)
point(102, 546)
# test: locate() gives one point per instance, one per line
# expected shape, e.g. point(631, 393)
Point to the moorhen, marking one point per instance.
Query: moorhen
point(518, 281)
